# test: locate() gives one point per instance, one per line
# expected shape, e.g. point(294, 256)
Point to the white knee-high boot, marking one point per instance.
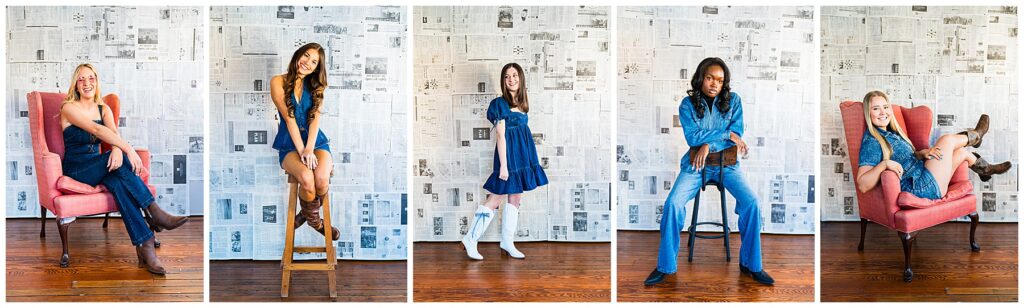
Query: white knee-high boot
point(509, 222)
point(481, 220)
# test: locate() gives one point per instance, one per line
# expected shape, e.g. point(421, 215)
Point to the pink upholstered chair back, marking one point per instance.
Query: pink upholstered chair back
point(916, 122)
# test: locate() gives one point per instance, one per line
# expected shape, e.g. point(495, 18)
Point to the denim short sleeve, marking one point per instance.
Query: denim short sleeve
point(870, 151)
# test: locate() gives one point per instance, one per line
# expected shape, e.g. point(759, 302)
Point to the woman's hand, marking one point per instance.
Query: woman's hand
point(503, 173)
point(308, 158)
point(697, 161)
point(933, 153)
point(136, 162)
point(740, 144)
point(116, 159)
point(895, 167)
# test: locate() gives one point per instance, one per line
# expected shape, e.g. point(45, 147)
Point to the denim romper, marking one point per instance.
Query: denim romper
point(283, 141)
point(916, 179)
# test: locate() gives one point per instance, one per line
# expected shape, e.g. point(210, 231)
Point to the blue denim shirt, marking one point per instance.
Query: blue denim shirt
point(713, 129)
point(902, 153)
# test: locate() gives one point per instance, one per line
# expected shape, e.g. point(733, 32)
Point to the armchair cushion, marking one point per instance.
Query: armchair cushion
point(956, 191)
point(69, 186)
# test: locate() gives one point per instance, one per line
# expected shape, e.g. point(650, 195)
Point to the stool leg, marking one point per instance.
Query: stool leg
point(289, 240)
point(725, 224)
point(693, 226)
point(332, 257)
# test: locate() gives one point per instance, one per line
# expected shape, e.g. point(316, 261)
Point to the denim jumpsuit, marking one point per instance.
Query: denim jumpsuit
point(84, 163)
point(713, 129)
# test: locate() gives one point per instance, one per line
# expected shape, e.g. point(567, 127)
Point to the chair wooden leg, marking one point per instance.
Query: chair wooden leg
point(974, 226)
point(65, 259)
point(908, 243)
point(105, 219)
point(863, 228)
point(42, 221)
point(332, 256)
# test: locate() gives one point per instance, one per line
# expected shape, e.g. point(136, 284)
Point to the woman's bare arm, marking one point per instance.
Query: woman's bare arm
point(78, 117)
point(869, 177)
point(500, 140)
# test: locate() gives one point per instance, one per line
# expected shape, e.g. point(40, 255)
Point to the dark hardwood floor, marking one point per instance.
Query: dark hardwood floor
point(551, 272)
point(260, 281)
point(944, 267)
point(709, 278)
point(104, 266)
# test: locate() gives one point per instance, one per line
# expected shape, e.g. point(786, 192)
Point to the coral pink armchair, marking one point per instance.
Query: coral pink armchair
point(61, 195)
point(879, 204)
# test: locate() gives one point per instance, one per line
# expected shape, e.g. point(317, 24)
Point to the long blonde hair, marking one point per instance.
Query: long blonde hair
point(893, 124)
point(73, 95)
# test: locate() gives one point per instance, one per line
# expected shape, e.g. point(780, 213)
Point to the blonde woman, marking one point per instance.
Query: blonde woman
point(86, 122)
point(925, 173)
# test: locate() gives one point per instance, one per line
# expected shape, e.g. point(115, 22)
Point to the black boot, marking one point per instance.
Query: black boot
point(975, 135)
point(761, 276)
point(985, 170)
point(654, 278)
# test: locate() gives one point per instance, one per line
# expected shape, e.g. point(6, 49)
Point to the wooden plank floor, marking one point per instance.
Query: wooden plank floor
point(551, 272)
point(944, 267)
point(260, 281)
point(709, 278)
point(104, 266)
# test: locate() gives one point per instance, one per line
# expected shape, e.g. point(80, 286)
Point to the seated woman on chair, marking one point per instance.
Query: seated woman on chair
point(86, 122)
point(925, 173)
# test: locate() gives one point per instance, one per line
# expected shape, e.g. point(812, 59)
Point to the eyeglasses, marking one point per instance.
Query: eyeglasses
point(91, 79)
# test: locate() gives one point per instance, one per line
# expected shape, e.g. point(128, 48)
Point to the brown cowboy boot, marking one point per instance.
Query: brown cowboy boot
point(147, 257)
point(311, 215)
point(985, 170)
point(974, 136)
point(159, 220)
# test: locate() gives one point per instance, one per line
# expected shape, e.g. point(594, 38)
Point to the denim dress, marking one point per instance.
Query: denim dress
point(283, 141)
point(916, 178)
point(524, 170)
point(83, 162)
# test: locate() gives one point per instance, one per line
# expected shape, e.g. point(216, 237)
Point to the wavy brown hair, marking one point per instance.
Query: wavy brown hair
point(520, 100)
point(317, 80)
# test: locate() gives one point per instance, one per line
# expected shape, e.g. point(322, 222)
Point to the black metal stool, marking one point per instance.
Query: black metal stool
point(725, 212)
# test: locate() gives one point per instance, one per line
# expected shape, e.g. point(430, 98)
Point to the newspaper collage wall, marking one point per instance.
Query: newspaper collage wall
point(151, 57)
point(458, 57)
point(770, 54)
point(364, 115)
point(959, 61)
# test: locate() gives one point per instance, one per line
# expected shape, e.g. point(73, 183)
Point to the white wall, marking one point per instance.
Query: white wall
point(564, 51)
point(770, 54)
point(959, 61)
point(364, 116)
point(151, 57)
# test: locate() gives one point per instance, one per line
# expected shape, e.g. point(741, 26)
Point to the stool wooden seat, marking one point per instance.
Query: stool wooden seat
point(290, 249)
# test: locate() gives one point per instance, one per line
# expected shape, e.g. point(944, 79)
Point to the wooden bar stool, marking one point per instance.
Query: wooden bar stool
point(290, 249)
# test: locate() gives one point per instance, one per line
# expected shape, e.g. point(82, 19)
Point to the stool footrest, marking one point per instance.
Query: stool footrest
point(309, 267)
point(307, 249)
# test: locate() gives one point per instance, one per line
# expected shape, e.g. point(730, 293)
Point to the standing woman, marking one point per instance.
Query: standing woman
point(303, 149)
point(516, 167)
point(86, 121)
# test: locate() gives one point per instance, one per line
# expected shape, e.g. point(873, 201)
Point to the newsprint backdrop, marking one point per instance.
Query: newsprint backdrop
point(151, 57)
point(459, 53)
point(364, 116)
point(770, 54)
point(959, 61)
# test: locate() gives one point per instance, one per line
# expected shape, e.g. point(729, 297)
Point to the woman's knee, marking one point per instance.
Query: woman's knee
point(323, 183)
point(515, 199)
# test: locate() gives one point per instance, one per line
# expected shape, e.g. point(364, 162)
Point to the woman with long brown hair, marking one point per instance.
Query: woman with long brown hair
point(516, 168)
point(303, 149)
point(85, 122)
point(925, 173)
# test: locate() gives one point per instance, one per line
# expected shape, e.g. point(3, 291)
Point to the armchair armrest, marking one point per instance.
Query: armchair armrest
point(146, 157)
point(882, 206)
point(47, 174)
